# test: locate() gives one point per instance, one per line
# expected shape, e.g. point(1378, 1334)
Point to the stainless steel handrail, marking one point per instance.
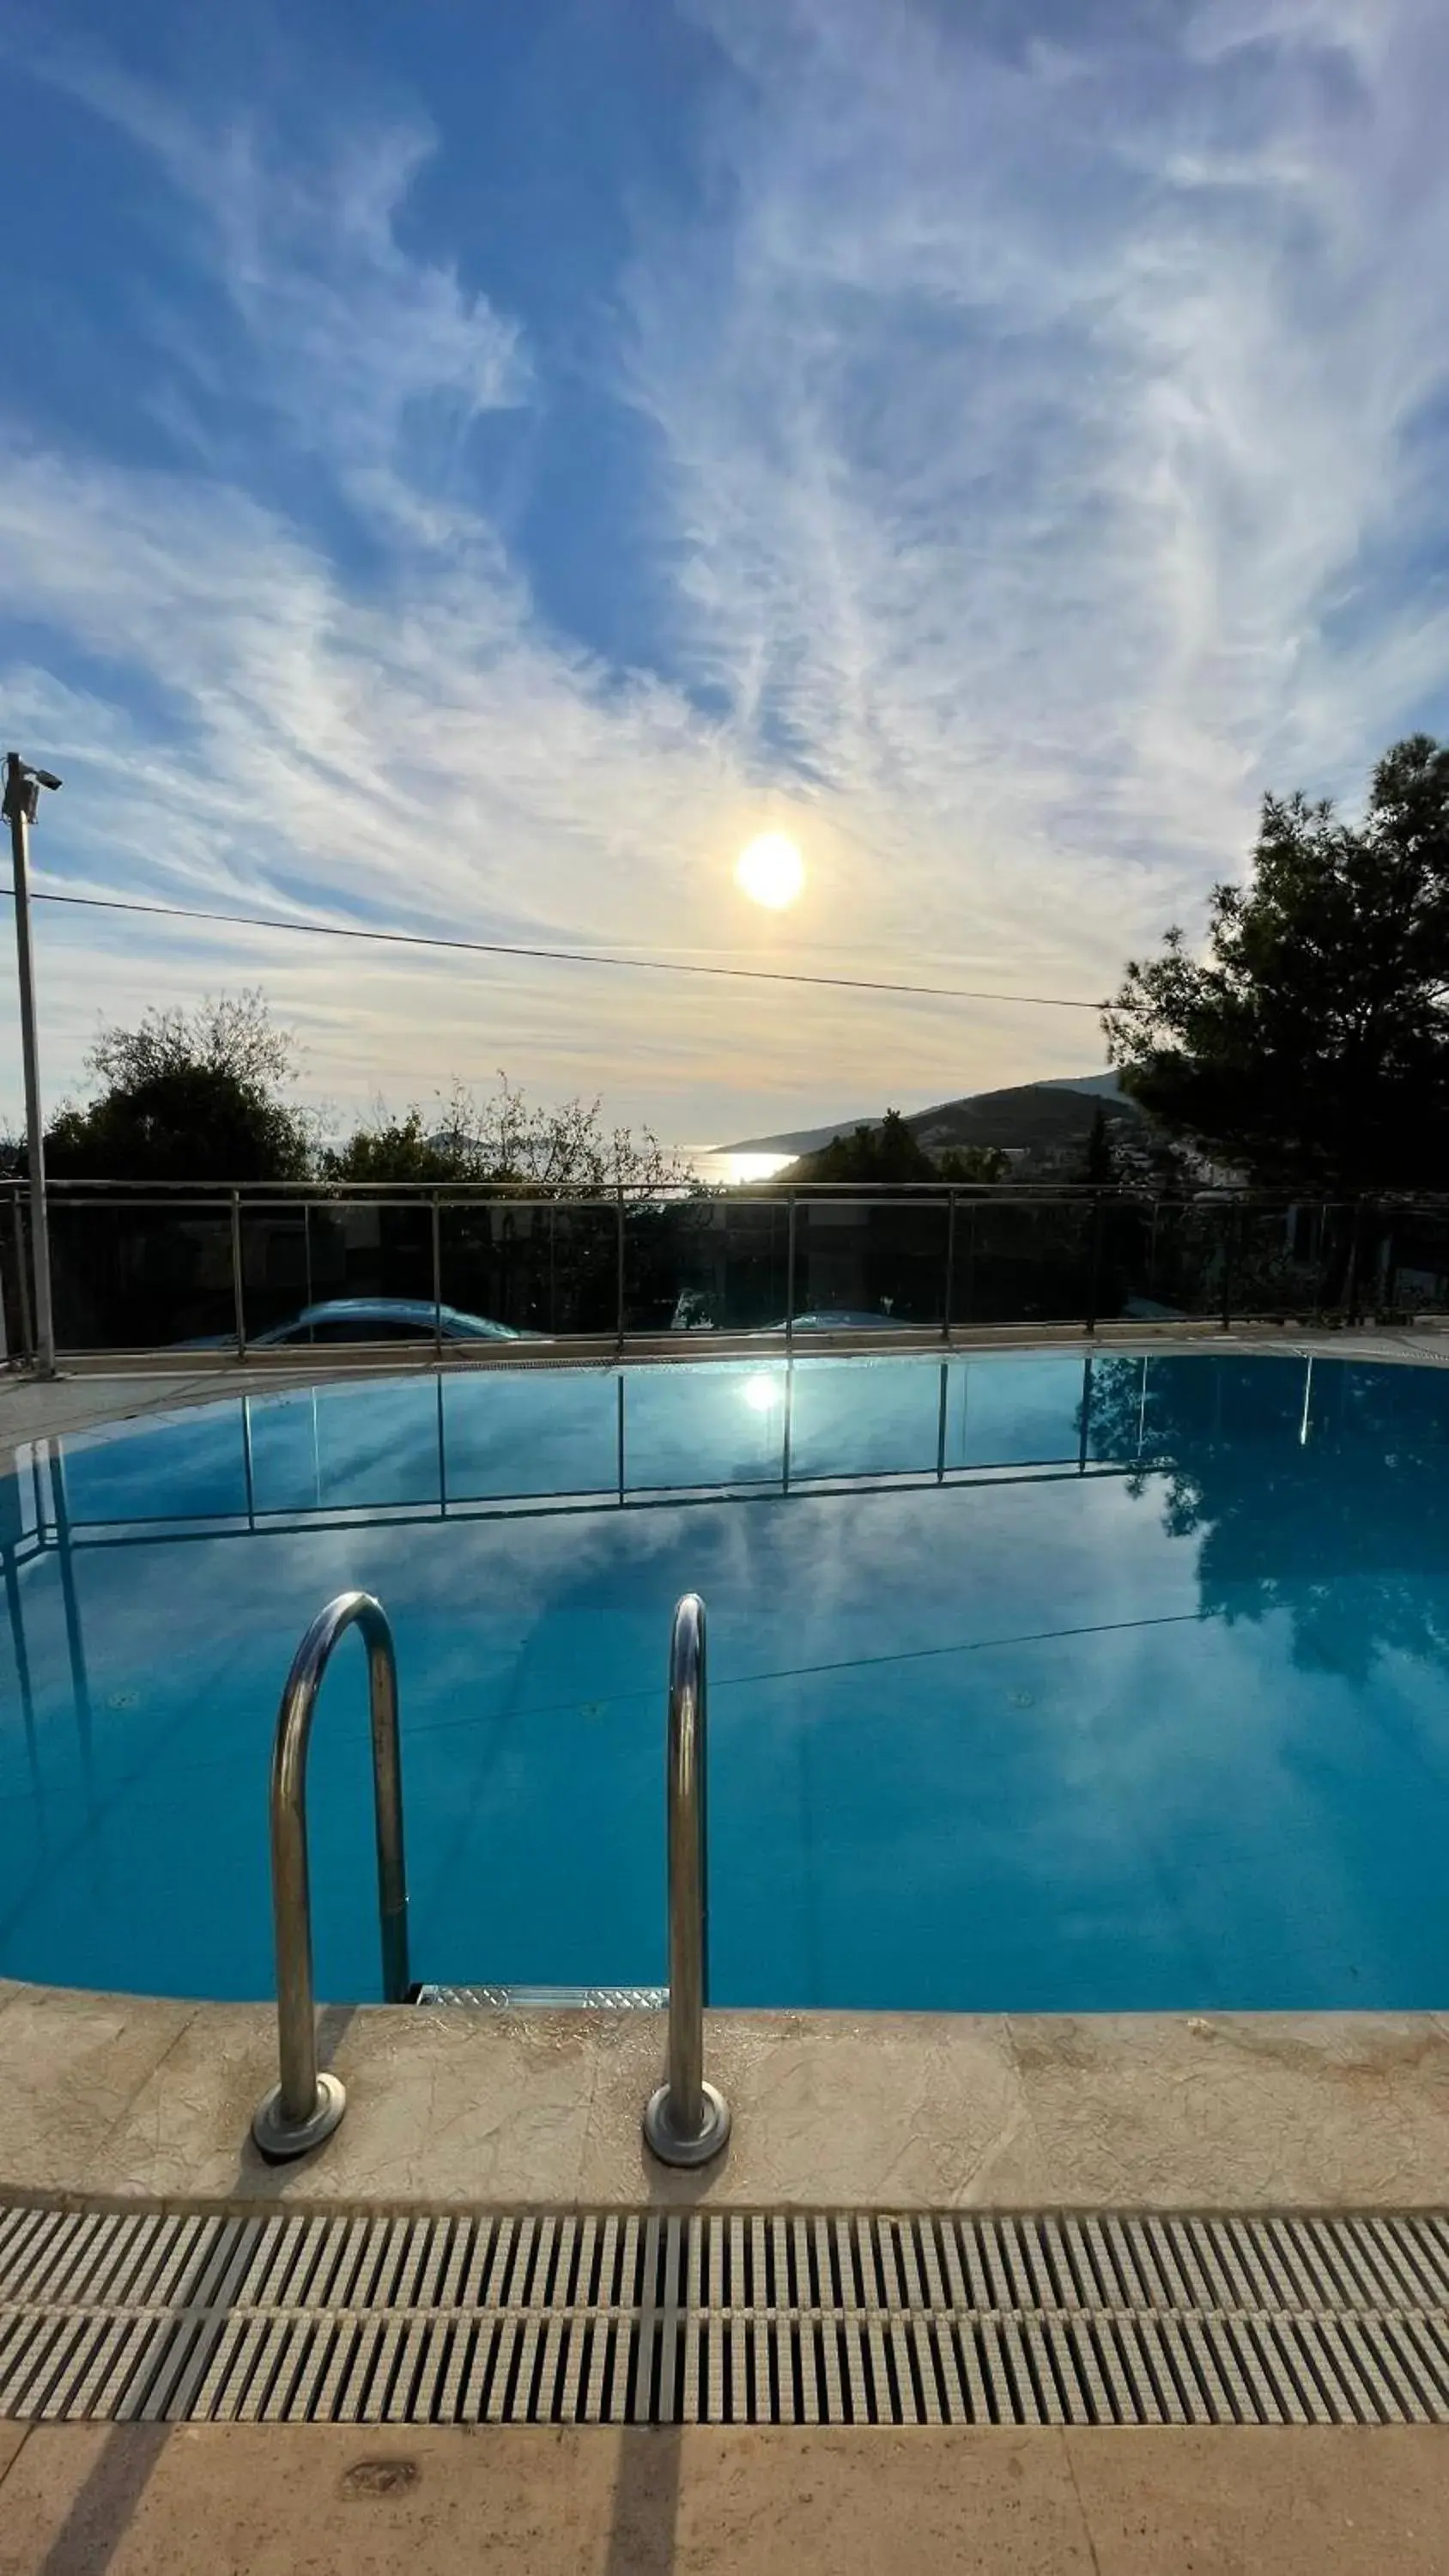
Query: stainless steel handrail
point(305, 2106)
point(686, 2121)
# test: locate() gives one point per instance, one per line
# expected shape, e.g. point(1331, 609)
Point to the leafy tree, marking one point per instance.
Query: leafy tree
point(509, 1141)
point(888, 1152)
point(1310, 1045)
point(234, 1036)
point(976, 1163)
point(402, 1149)
point(1100, 1170)
point(891, 1152)
point(1319, 1495)
point(189, 1096)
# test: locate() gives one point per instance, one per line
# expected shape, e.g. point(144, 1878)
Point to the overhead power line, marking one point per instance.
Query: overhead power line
point(561, 956)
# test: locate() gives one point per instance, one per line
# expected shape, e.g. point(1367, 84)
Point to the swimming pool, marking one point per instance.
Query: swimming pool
point(1036, 1683)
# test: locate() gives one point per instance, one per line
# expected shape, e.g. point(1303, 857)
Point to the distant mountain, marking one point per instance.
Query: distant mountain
point(1108, 1086)
point(801, 1140)
point(1027, 1115)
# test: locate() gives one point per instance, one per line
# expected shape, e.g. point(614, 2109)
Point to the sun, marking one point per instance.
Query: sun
point(771, 871)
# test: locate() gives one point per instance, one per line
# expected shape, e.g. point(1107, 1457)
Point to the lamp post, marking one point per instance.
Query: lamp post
point(22, 796)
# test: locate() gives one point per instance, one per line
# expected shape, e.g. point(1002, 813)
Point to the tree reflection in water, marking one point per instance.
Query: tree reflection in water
point(1317, 1487)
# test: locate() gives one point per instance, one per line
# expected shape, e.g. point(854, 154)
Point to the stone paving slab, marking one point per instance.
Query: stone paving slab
point(131, 2098)
point(275, 2501)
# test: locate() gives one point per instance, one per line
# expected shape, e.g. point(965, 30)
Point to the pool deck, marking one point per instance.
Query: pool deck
point(134, 2102)
point(128, 2100)
point(276, 2500)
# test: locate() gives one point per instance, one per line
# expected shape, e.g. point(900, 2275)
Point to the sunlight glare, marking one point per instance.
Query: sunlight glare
point(761, 1394)
point(771, 871)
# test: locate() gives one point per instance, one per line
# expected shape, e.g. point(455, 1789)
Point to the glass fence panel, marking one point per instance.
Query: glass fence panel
point(536, 1266)
point(1022, 1261)
point(1176, 1266)
point(1121, 1260)
point(337, 1271)
point(15, 1279)
point(869, 1264)
point(1406, 1261)
point(705, 1265)
point(152, 1273)
point(276, 1266)
point(140, 1276)
point(1281, 1257)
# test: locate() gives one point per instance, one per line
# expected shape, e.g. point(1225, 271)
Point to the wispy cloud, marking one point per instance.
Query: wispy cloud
point(1061, 412)
point(1050, 428)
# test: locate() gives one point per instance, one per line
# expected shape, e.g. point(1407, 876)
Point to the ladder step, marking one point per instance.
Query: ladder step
point(547, 1998)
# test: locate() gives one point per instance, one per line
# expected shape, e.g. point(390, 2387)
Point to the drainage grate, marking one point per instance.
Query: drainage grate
point(632, 2317)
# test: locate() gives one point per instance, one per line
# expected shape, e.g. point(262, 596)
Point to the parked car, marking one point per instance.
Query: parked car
point(847, 1320)
point(692, 1315)
point(371, 1319)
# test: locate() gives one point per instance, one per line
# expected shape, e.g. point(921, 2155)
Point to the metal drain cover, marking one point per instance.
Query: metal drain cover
point(629, 2317)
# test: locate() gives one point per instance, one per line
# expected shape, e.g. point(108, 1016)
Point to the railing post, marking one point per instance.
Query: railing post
point(619, 1266)
point(1094, 1264)
point(305, 2106)
point(437, 1280)
point(1355, 1255)
point(950, 1265)
point(789, 1268)
point(22, 1278)
point(19, 808)
point(237, 1300)
point(1388, 1270)
point(1230, 1237)
point(686, 2121)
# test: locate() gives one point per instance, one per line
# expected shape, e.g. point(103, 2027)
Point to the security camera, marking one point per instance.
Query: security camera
point(22, 788)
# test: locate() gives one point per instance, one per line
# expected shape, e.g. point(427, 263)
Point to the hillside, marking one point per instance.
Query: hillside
point(1027, 1116)
point(1030, 1116)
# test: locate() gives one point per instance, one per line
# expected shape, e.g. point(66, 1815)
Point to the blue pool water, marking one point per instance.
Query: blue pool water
point(1035, 1683)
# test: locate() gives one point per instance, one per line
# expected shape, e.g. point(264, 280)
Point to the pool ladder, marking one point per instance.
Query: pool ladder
point(686, 2121)
point(305, 2105)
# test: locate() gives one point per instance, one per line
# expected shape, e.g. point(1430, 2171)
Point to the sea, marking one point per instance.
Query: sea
point(723, 1169)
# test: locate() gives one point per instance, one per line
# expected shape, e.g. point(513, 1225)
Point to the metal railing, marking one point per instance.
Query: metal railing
point(306, 2104)
point(687, 2121)
point(152, 1269)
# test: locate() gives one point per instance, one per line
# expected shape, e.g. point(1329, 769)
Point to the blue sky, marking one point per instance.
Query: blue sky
point(473, 468)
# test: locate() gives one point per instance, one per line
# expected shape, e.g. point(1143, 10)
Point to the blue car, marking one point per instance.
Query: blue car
point(371, 1319)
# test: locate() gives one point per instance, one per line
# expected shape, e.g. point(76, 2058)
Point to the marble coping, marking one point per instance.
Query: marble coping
point(128, 2099)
